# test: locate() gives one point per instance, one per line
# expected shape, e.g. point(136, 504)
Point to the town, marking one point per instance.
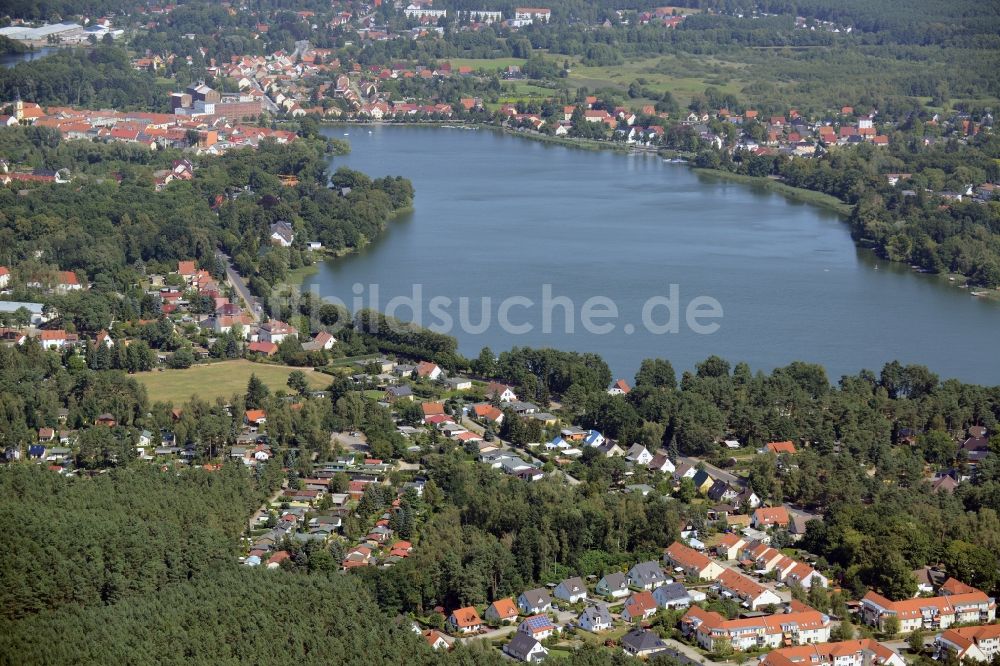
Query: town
point(189, 432)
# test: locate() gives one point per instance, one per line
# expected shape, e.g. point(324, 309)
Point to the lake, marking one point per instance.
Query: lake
point(11, 59)
point(501, 216)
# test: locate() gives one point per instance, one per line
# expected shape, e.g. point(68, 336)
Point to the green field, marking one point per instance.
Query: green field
point(223, 379)
point(487, 64)
point(684, 77)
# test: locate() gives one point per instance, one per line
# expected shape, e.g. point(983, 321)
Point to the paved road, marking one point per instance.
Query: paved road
point(716, 473)
point(237, 283)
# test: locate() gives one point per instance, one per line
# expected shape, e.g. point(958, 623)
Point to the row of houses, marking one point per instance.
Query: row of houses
point(799, 625)
point(214, 132)
point(955, 603)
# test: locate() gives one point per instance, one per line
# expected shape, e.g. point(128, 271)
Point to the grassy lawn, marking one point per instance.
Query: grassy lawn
point(221, 379)
point(615, 634)
point(487, 64)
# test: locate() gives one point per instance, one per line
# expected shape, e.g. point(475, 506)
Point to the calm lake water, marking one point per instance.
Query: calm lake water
point(501, 216)
point(11, 59)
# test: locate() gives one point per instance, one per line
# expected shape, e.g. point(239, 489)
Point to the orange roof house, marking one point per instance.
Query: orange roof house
point(695, 564)
point(432, 409)
point(502, 610)
point(265, 348)
point(256, 416)
point(780, 447)
point(465, 620)
point(639, 606)
point(776, 516)
point(488, 413)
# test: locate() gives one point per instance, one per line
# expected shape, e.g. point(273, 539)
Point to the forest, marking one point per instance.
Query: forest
point(109, 230)
point(96, 78)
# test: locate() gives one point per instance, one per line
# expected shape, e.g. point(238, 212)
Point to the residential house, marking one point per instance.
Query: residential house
point(427, 370)
point(394, 393)
point(614, 585)
point(282, 234)
point(501, 610)
point(729, 546)
point(684, 470)
point(620, 387)
point(538, 627)
point(459, 383)
point(488, 413)
point(762, 557)
point(436, 639)
point(610, 450)
point(501, 392)
point(525, 648)
point(432, 409)
point(691, 562)
point(780, 447)
point(103, 338)
point(661, 463)
point(571, 590)
point(639, 455)
point(765, 517)
point(721, 492)
point(748, 592)
point(323, 341)
point(263, 348)
point(533, 602)
point(55, 339)
point(639, 606)
point(802, 574)
point(359, 556)
point(672, 595)
point(275, 560)
point(642, 643)
point(276, 331)
point(980, 643)
point(864, 652)
point(702, 481)
point(746, 499)
point(595, 618)
point(464, 621)
point(647, 576)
